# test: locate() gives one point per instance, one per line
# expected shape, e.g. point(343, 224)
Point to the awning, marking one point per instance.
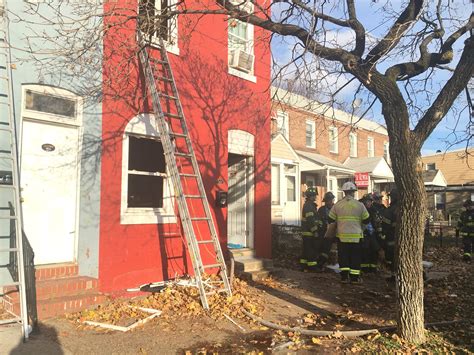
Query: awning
point(318, 162)
point(377, 167)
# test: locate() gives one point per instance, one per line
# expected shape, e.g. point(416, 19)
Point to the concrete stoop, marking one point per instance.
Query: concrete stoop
point(249, 267)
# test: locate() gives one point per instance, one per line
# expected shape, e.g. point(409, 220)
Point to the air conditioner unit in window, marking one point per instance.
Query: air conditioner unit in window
point(241, 60)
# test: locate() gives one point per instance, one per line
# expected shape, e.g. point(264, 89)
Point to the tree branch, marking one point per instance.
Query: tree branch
point(462, 74)
point(396, 32)
point(358, 28)
point(404, 71)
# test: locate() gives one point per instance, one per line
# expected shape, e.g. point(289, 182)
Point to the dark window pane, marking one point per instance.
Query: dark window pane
point(50, 104)
point(146, 155)
point(145, 191)
point(151, 23)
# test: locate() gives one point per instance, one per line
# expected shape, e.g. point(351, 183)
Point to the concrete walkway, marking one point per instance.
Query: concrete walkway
point(11, 342)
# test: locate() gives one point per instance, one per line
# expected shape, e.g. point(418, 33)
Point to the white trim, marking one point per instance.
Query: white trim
point(370, 147)
point(243, 75)
point(313, 133)
point(386, 148)
point(240, 142)
point(51, 117)
point(333, 130)
point(354, 136)
point(144, 125)
point(283, 125)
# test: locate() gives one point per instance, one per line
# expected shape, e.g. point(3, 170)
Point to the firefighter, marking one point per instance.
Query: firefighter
point(466, 229)
point(389, 224)
point(326, 243)
point(310, 224)
point(347, 218)
point(370, 246)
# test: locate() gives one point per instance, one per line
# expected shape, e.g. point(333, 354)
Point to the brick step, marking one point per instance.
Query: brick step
point(61, 305)
point(56, 271)
point(52, 288)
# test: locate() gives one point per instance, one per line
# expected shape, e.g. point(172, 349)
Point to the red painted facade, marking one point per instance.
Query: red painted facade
point(214, 102)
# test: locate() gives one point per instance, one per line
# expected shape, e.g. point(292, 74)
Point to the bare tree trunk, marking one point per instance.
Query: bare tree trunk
point(409, 248)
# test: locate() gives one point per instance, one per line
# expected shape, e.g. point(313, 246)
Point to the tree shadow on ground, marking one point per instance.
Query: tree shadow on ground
point(43, 340)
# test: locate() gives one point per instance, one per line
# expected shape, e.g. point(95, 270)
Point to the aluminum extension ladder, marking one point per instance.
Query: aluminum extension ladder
point(193, 206)
point(10, 209)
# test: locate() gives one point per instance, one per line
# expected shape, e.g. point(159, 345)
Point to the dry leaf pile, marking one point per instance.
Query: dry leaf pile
point(178, 301)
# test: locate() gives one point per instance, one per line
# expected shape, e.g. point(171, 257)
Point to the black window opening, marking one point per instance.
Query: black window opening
point(153, 19)
point(50, 104)
point(146, 173)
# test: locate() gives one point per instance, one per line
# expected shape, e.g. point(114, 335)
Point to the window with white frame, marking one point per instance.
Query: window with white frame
point(352, 145)
point(146, 192)
point(310, 134)
point(283, 124)
point(333, 140)
point(370, 147)
point(275, 184)
point(155, 23)
point(386, 152)
point(241, 44)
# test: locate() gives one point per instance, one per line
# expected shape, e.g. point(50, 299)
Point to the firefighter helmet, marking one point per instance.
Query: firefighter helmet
point(328, 196)
point(349, 186)
point(367, 197)
point(467, 203)
point(376, 196)
point(311, 192)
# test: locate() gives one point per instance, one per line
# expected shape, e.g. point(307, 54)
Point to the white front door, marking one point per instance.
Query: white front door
point(291, 208)
point(237, 224)
point(49, 170)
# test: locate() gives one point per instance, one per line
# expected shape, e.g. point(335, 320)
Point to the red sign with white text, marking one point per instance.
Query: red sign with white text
point(362, 179)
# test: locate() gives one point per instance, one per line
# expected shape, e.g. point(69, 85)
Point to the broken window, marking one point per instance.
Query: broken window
point(154, 19)
point(146, 173)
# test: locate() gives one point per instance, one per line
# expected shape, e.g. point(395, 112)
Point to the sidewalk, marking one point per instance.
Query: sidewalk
point(11, 342)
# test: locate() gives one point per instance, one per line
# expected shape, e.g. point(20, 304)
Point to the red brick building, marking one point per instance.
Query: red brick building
point(333, 146)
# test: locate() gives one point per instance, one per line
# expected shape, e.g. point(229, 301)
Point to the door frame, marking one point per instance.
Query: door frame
point(242, 143)
point(57, 120)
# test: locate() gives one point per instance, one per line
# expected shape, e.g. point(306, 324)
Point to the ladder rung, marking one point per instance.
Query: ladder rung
point(172, 115)
point(7, 186)
point(193, 196)
point(221, 290)
point(3, 95)
point(200, 218)
point(158, 61)
point(183, 155)
point(178, 135)
point(210, 266)
point(188, 175)
point(168, 97)
point(9, 129)
point(163, 78)
point(8, 217)
point(205, 241)
point(8, 250)
point(11, 320)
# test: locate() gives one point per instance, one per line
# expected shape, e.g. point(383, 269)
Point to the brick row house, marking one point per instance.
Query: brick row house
point(99, 209)
point(329, 147)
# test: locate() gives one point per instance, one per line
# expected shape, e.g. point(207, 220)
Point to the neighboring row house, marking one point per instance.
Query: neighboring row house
point(99, 207)
point(314, 145)
point(449, 181)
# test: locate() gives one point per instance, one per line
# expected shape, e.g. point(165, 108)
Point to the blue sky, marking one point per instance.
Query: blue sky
point(452, 127)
